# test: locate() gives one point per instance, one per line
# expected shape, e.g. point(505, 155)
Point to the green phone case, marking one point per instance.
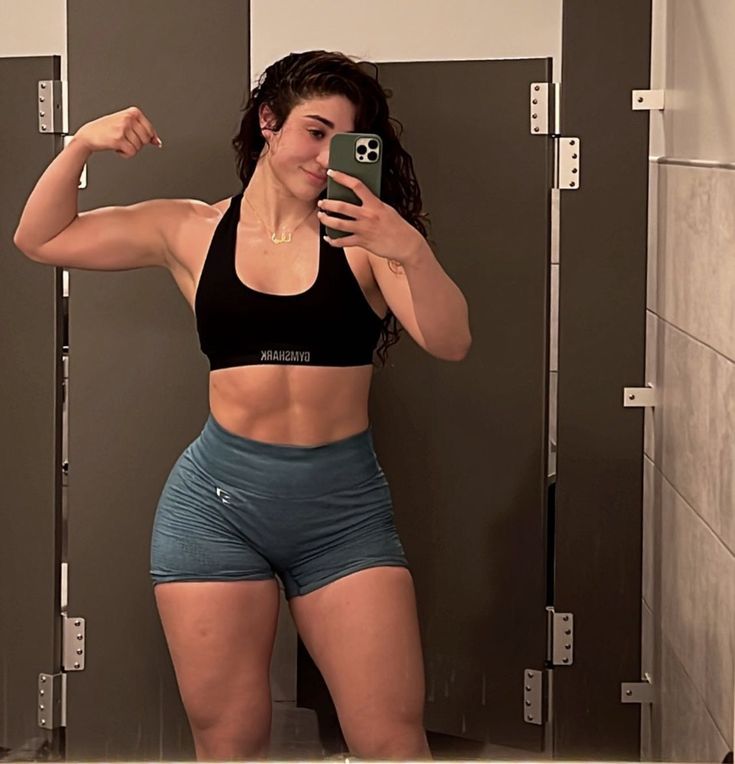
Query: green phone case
point(343, 157)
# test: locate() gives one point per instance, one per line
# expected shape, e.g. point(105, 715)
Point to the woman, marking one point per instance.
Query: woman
point(283, 479)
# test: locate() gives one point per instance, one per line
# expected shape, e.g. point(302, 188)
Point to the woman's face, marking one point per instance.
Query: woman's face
point(298, 154)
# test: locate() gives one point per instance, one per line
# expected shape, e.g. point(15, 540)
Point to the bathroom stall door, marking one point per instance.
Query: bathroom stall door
point(464, 445)
point(138, 383)
point(30, 419)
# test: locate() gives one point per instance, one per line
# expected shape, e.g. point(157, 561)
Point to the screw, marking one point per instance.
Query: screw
point(534, 101)
point(42, 692)
point(640, 99)
point(77, 622)
point(77, 665)
point(43, 721)
point(572, 184)
point(43, 86)
point(535, 116)
point(530, 718)
point(535, 129)
point(628, 692)
point(537, 88)
point(568, 632)
point(42, 707)
point(528, 689)
point(565, 618)
point(571, 143)
point(567, 647)
point(43, 127)
point(43, 678)
point(41, 99)
point(530, 674)
point(42, 113)
point(566, 660)
point(80, 651)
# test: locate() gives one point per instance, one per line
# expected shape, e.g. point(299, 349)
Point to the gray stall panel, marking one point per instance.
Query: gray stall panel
point(138, 384)
point(30, 420)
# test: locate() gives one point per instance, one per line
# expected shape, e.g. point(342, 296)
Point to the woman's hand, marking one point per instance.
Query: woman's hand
point(377, 227)
point(125, 131)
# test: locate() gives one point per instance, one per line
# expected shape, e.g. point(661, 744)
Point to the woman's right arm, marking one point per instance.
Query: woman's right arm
point(52, 230)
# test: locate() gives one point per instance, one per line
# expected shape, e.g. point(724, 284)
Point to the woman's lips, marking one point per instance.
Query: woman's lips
point(315, 178)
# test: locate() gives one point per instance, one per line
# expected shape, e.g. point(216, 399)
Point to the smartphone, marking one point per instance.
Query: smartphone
point(359, 155)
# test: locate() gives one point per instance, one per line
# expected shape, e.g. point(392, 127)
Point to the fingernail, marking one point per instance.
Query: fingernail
point(160, 143)
point(330, 172)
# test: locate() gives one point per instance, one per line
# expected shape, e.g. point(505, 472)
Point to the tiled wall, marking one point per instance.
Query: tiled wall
point(689, 493)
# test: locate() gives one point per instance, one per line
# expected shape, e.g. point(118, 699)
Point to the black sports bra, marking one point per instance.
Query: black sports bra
point(330, 324)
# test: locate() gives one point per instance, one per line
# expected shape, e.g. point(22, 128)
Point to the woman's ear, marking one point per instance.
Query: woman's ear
point(266, 119)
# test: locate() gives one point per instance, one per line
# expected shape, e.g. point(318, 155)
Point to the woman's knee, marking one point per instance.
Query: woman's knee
point(389, 740)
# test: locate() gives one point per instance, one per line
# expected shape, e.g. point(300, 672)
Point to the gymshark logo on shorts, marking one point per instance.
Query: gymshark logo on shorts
point(299, 356)
point(223, 495)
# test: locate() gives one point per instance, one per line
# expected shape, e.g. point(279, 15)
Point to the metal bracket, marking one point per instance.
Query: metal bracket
point(637, 692)
point(568, 163)
point(51, 701)
point(50, 99)
point(541, 107)
point(560, 643)
point(639, 397)
point(74, 643)
point(648, 100)
point(533, 694)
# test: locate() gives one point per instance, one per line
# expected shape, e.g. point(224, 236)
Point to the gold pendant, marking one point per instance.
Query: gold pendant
point(283, 239)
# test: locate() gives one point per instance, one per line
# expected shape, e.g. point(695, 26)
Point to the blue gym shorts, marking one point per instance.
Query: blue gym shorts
point(237, 509)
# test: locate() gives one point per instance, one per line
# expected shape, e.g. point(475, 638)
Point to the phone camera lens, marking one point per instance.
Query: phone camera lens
point(373, 143)
point(372, 156)
point(361, 149)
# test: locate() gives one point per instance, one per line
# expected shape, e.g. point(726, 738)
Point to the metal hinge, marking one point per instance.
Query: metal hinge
point(648, 100)
point(567, 163)
point(74, 643)
point(637, 692)
point(639, 397)
point(51, 701)
point(541, 105)
point(50, 106)
point(533, 696)
point(560, 638)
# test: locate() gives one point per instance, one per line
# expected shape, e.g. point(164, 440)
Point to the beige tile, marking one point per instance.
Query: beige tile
point(697, 603)
point(649, 529)
point(695, 421)
point(649, 426)
point(695, 263)
point(655, 224)
point(687, 731)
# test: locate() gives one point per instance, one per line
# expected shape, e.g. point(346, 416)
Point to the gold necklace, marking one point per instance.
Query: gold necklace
point(283, 238)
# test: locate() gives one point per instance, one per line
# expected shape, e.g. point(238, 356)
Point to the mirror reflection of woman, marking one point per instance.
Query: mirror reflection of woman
point(283, 482)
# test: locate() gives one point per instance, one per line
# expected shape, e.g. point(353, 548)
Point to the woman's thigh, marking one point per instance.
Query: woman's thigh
point(362, 632)
point(220, 635)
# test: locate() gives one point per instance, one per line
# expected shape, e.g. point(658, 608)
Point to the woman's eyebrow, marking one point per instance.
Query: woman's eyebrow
point(323, 120)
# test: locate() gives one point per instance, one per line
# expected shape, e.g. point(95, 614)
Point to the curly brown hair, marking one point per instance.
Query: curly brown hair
point(317, 73)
